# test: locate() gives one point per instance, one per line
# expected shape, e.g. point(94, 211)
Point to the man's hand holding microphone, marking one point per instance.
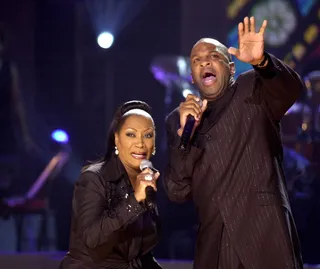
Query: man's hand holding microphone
point(191, 111)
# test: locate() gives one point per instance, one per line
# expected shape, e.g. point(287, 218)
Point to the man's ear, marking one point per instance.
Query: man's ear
point(232, 67)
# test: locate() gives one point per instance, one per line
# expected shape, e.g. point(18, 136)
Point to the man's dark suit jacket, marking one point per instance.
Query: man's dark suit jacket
point(236, 166)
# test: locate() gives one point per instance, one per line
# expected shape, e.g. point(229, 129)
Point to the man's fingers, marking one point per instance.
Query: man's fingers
point(189, 110)
point(240, 29)
point(191, 107)
point(252, 25)
point(192, 97)
point(263, 27)
point(233, 51)
point(186, 113)
point(246, 25)
point(190, 104)
point(204, 105)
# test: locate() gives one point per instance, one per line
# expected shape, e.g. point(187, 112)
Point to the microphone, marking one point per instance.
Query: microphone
point(187, 130)
point(147, 164)
point(150, 193)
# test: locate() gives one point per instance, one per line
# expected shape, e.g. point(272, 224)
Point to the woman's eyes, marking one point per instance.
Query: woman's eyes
point(149, 135)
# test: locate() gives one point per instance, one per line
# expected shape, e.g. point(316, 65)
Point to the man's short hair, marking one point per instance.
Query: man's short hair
point(223, 48)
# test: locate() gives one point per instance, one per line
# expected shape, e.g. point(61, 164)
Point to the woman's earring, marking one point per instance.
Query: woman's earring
point(154, 152)
point(116, 151)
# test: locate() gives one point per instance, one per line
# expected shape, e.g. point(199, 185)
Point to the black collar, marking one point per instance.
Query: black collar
point(216, 108)
point(113, 169)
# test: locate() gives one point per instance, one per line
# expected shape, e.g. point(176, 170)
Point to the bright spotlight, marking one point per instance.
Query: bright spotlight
point(105, 40)
point(60, 136)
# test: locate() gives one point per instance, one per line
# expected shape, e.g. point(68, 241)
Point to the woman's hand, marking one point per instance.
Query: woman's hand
point(144, 179)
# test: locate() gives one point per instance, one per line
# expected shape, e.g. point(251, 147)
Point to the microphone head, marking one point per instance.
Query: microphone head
point(200, 103)
point(145, 164)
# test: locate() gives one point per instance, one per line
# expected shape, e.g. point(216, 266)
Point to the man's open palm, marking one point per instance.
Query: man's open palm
point(251, 43)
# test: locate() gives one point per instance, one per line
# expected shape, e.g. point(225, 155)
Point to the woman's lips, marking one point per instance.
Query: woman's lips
point(139, 156)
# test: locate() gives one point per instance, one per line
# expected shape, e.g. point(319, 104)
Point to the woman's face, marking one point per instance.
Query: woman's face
point(135, 140)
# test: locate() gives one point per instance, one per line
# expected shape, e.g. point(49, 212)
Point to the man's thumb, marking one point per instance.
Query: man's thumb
point(204, 105)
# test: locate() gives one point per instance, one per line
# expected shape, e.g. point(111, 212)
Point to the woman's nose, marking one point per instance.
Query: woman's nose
point(140, 142)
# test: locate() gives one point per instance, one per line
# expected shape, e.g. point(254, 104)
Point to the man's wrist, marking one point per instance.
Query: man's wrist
point(263, 62)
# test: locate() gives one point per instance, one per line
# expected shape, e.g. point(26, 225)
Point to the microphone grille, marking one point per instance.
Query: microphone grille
point(145, 164)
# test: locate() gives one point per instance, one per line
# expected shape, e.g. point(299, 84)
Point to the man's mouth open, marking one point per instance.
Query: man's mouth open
point(208, 78)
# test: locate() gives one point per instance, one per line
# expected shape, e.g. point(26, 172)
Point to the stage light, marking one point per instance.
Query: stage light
point(185, 92)
point(105, 40)
point(60, 136)
point(282, 20)
point(311, 33)
point(299, 51)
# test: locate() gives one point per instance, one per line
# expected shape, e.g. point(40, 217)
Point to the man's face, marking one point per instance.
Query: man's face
point(210, 69)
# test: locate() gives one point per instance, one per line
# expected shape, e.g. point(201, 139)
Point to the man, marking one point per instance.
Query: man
point(232, 166)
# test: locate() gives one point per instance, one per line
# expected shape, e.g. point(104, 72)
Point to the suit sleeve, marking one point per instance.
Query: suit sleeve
point(281, 86)
point(179, 171)
point(97, 222)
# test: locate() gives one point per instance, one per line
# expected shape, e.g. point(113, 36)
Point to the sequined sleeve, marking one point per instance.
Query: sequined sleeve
point(97, 223)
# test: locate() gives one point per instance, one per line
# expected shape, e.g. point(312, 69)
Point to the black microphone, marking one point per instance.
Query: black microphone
point(150, 192)
point(187, 130)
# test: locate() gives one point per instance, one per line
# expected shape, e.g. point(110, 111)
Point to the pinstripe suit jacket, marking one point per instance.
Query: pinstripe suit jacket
point(235, 165)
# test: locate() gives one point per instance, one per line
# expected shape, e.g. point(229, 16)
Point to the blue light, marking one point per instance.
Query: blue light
point(305, 6)
point(60, 136)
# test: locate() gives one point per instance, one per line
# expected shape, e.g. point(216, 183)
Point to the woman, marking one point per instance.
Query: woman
point(111, 226)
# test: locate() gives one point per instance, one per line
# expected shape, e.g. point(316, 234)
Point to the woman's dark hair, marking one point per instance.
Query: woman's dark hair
point(118, 121)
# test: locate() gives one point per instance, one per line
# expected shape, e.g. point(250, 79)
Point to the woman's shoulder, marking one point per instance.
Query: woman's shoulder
point(91, 175)
point(101, 177)
point(93, 168)
point(104, 171)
